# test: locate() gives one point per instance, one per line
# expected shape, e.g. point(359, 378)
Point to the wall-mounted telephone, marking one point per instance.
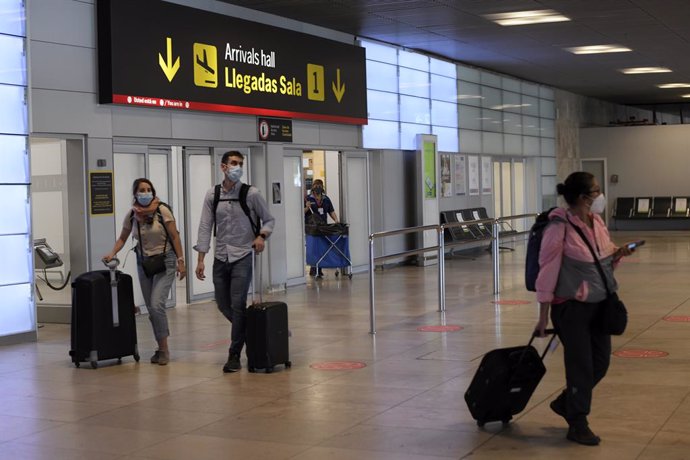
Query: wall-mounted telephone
point(46, 257)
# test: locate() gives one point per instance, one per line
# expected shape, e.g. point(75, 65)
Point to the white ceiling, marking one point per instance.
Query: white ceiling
point(658, 31)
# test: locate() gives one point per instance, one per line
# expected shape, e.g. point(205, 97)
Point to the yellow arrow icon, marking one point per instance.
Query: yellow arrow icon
point(169, 69)
point(338, 89)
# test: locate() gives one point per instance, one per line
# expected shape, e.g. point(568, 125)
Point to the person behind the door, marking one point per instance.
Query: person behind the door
point(317, 206)
point(235, 237)
point(570, 284)
point(153, 225)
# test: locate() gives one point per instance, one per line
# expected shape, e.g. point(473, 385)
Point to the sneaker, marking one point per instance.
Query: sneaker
point(312, 271)
point(156, 357)
point(320, 275)
point(233, 364)
point(558, 407)
point(581, 434)
point(163, 358)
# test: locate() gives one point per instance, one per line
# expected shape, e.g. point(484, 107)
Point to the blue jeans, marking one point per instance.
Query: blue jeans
point(231, 282)
point(156, 290)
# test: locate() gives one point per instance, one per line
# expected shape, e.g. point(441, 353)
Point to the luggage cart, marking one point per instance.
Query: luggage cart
point(328, 247)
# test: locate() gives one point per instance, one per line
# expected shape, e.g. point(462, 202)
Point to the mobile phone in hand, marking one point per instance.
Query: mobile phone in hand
point(635, 244)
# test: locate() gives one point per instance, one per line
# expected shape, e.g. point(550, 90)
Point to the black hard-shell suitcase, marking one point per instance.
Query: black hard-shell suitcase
point(505, 381)
point(267, 336)
point(101, 330)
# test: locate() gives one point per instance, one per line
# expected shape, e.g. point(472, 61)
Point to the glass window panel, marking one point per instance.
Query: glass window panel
point(492, 120)
point(17, 310)
point(12, 18)
point(530, 145)
point(159, 172)
point(15, 209)
point(12, 60)
point(468, 74)
point(414, 82)
point(444, 88)
point(470, 117)
point(530, 89)
point(548, 184)
point(513, 144)
point(491, 98)
point(530, 106)
point(506, 189)
point(469, 93)
point(546, 93)
point(470, 141)
point(546, 109)
point(497, 187)
point(13, 111)
point(381, 76)
point(530, 126)
point(413, 60)
point(447, 138)
point(548, 147)
point(381, 135)
point(519, 195)
point(408, 135)
point(444, 114)
point(512, 123)
point(441, 67)
point(382, 105)
point(415, 110)
point(490, 79)
point(548, 166)
point(16, 255)
point(46, 157)
point(547, 128)
point(381, 53)
point(492, 143)
point(510, 84)
point(14, 160)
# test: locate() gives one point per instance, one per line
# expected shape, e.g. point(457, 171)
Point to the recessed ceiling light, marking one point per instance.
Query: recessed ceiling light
point(674, 85)
point(636, 70)
point(686, 95)
point(598, 49)
point(521, 18)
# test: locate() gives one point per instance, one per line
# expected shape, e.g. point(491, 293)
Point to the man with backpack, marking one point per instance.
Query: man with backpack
point(238, 216)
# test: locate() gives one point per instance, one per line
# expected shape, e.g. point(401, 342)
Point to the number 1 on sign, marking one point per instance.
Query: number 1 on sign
point(315, 82)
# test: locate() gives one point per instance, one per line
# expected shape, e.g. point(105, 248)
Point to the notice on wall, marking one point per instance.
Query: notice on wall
point(274, 129)
point(429, 155)
point(459, 174)
point(446, 186)
point(101, 193)
point(486, 175)
point(473, 165)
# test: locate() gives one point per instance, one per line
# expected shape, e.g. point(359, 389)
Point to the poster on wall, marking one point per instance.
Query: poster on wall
point(473, 165)
point(101, 193)
point(459, 174)
point(429, 151)
point(486, 174)
point(446, 186)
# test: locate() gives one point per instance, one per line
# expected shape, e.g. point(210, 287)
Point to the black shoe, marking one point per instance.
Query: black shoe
point(312, 271)
point(320, 275)
point(581, 434)
point(233, 364)
point(558, 407)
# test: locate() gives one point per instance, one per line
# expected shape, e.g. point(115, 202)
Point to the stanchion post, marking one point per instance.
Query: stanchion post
point(372, 307)
point(495, 254)
point(441, 271)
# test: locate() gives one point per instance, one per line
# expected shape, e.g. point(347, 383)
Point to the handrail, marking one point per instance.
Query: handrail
point(440, 247)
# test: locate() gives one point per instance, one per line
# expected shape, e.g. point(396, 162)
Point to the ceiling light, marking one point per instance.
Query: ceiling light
point(674, 85)
point(598, 49)
point(686, 95)
point(520, 18)
point(636, 70)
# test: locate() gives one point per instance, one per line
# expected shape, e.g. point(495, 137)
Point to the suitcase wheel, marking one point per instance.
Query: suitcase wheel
point(288, 365)
point(94, 364)
point(251, 369)
point(137, 357)
point(119, 360)
point(480, 423)
point(77, 364)
point(269, 370)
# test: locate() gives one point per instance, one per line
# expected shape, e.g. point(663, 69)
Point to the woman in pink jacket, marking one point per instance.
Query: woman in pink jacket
point(570, 285)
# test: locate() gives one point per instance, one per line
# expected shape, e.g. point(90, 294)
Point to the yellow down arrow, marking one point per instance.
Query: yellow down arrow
point(339, 89)
point(169, 69)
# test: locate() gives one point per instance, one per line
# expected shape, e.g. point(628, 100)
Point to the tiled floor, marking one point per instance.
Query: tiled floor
point(406, 404)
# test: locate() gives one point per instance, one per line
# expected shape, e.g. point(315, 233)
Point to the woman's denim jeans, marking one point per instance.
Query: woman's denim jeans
point(231, 281)
point(156, 290)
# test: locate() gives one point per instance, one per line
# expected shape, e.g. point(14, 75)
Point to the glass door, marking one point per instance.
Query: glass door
point(355, 211)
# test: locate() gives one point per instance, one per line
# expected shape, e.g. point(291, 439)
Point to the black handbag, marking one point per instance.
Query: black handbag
point(613, 316)
point(152, 265)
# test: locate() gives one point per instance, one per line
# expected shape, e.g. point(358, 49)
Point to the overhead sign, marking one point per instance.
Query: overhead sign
point(274, 129)
point(159, 54)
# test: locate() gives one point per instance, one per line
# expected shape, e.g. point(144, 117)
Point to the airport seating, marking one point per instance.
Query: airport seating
point(651, 213)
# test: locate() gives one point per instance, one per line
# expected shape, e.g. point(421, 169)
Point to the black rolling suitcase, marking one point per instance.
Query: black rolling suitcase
point(267, 334)
point(103, 323)
point(505, 381)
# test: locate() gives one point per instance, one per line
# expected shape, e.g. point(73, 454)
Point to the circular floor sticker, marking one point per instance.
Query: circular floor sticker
point(338, 365)
point(640, 354)
point(678, 319)
point(449, 328)
point(511, 302)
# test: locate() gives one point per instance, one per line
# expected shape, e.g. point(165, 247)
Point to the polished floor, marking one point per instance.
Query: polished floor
point(405, 404)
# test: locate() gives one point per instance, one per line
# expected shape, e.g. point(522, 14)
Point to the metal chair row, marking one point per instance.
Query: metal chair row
point(651, 207)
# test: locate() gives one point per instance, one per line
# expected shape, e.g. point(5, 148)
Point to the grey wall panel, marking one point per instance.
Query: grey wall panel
point(69, 113)
point(238, 128)
point(277, 250)
point(141, 122)
point(76, 64)
point(345, 135)
point(101, 228)
point(305, 132)
point(187, 125)
point(62, 21)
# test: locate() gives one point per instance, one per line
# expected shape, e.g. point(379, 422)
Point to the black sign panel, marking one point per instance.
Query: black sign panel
point(274, 129)
point(158, 54)
point(101, 192)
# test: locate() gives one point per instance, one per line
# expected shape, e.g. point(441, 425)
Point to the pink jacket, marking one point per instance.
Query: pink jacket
point(566, 267)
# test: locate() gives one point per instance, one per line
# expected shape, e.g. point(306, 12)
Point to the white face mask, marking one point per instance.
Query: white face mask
point(599, 204)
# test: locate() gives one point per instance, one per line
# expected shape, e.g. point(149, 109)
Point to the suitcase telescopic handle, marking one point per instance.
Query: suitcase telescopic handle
point(254, 278)
point(551, 332)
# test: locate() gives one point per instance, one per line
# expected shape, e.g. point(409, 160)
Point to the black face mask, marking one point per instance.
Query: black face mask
point(318, 190)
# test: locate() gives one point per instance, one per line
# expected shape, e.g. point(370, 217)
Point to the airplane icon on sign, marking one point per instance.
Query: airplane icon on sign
point(205, 65)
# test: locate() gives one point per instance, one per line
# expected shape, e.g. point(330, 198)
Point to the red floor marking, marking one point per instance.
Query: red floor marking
point(678, 319)
point(337, 365)
point(450, 328)
point(216, 344)
point(640, 354)
point(511, 302)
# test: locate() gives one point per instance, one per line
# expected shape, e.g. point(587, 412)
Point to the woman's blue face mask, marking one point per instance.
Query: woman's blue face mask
point(145, 199)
